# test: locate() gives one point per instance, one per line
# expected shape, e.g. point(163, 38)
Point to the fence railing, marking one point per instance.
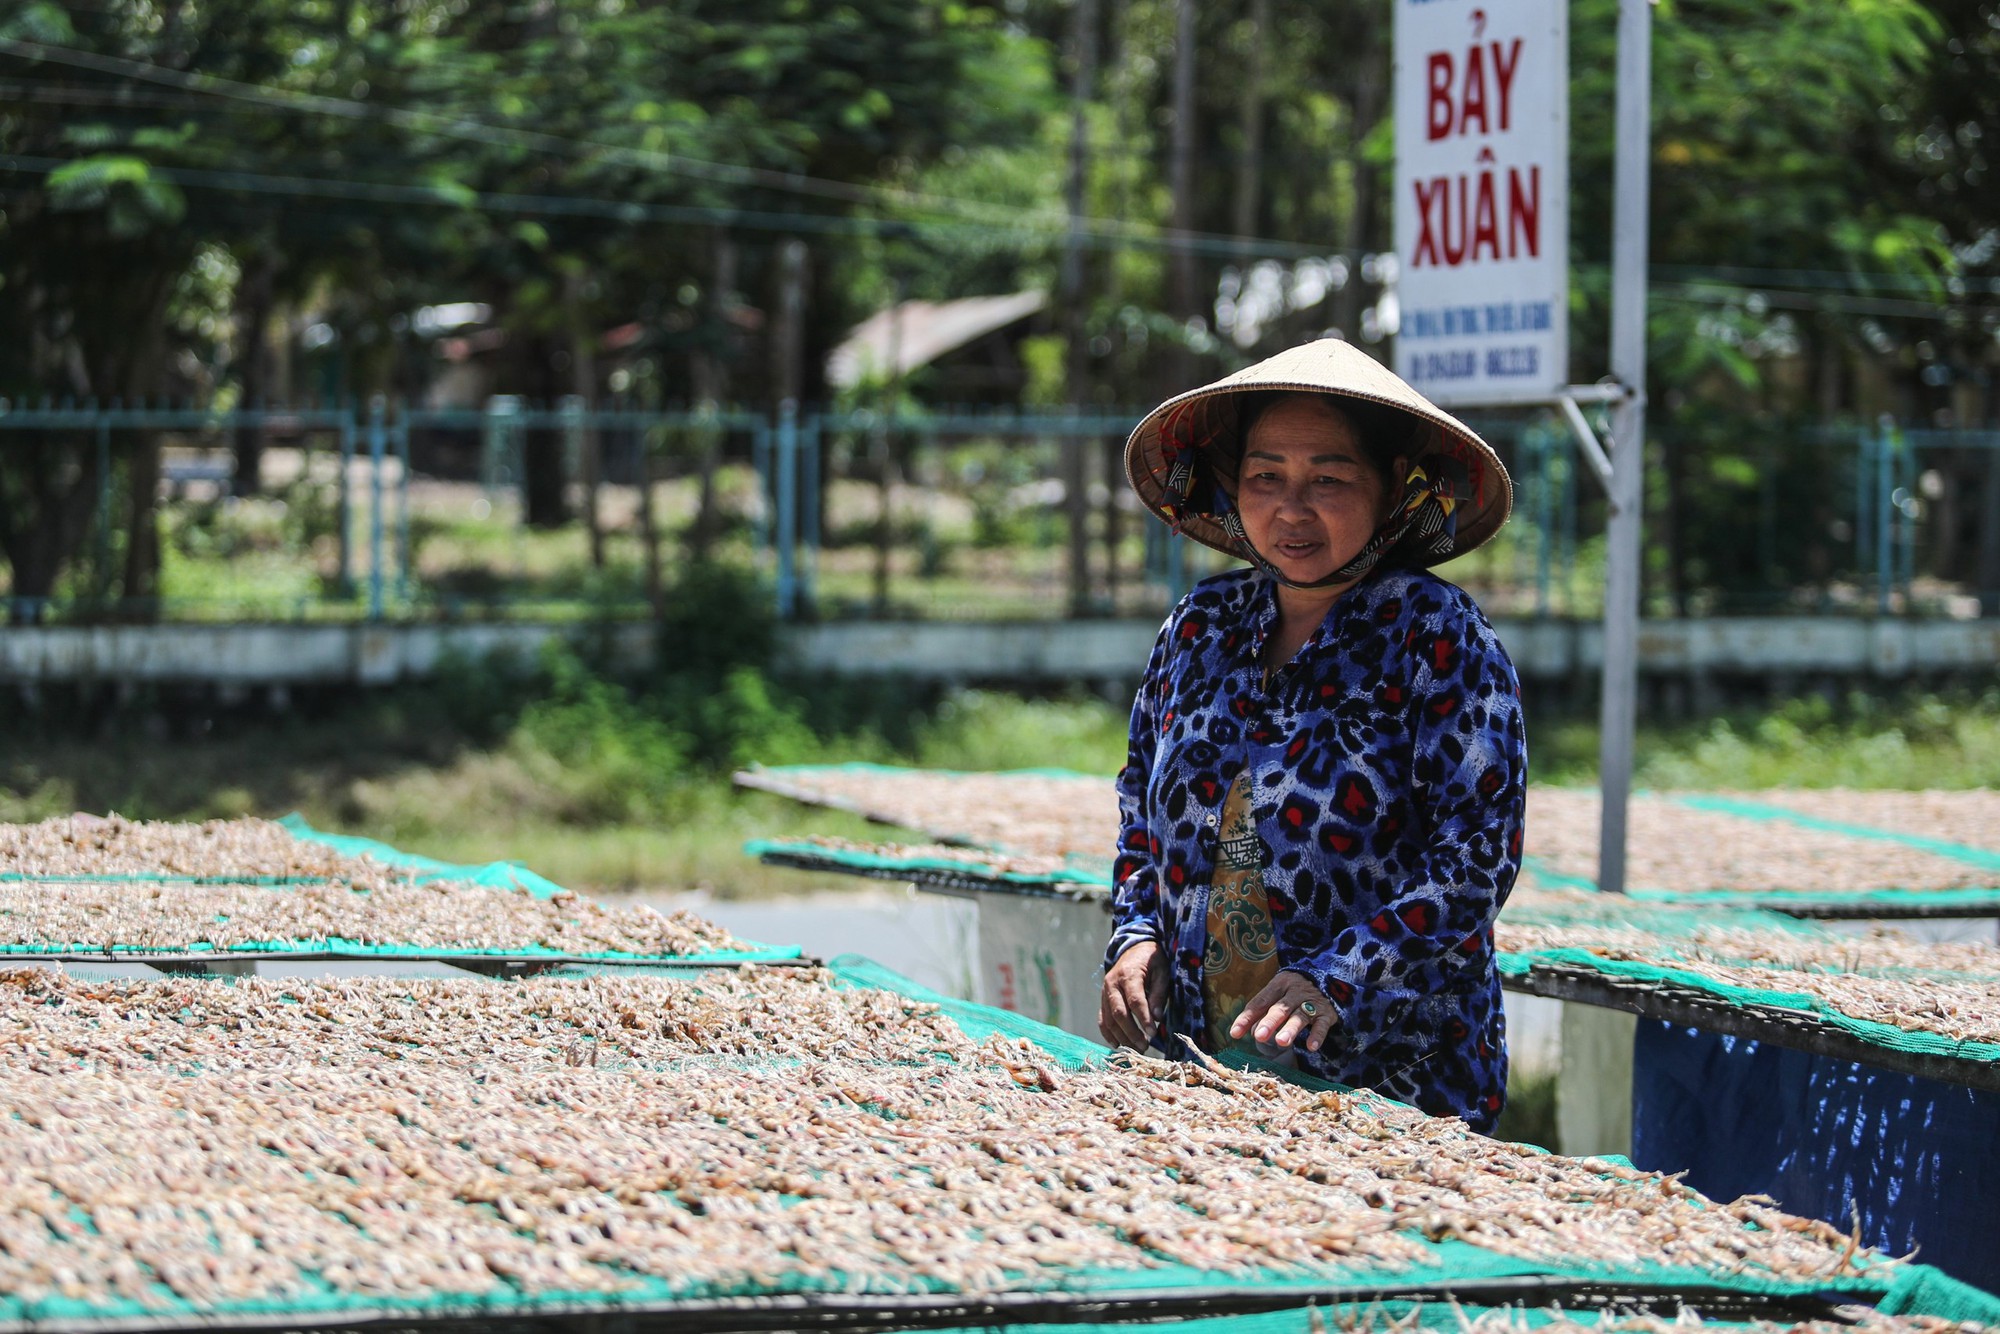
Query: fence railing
point(945, 513)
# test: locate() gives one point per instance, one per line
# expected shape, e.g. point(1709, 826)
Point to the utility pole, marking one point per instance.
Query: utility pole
point(711, 388)
point(1187, 300)
point(1630, 176)
point(788, 331)
point(790, 380)
point(253, 316)
point(882, 447)
point(583, 382)
point(1250, 160)
point(1076, 333)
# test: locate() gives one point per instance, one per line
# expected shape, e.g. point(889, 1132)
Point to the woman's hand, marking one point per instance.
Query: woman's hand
point(1134, 1000)
point(1288, 1008)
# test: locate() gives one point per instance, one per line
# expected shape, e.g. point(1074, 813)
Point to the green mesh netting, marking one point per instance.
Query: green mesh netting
point(1757, 810)
point(157, 878)
point(494, 875)
point(1915, 1289)
point(1890, 901)
point(1671, 920)
point(1886, 902)
point(1885, 905)
point(1449, 1266)
point(335, 947)
point(506, 876)
point(509, 875)
point(885, 862)
point(901, 770)
point(1675, 924)
point(1667, 918)
point(1439, 1317)
point(1867, 1030)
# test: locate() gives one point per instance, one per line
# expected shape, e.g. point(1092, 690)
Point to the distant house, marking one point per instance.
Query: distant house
point(963, 351)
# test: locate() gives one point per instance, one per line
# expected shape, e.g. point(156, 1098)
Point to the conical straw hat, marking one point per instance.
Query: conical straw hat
point(1188, 448)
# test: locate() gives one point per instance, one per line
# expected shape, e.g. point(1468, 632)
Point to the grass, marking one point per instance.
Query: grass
point(1905, 741)
point(964, 549)
point(395, 770)
point(604, 792)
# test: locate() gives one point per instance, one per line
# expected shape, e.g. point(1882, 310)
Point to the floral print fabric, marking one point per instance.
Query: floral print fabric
point(1387, 770)
point(1241, 955)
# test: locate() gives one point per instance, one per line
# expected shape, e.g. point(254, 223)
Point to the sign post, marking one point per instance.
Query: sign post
point(1482, 247)
point(1631, 178)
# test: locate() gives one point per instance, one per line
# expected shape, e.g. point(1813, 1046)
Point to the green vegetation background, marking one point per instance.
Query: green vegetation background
point(182, 177)
point(624, 784)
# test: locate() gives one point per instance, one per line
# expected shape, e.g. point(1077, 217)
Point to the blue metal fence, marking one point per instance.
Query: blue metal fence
point(790, 451)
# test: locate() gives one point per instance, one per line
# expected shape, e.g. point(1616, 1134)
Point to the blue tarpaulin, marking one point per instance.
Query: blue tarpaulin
point(1917, 1160)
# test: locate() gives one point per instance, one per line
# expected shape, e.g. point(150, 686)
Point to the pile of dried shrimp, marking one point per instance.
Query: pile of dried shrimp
point(741, 1131)
point(436, 914)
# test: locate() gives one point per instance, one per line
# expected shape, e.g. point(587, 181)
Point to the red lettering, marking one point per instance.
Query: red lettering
point(1504, 64)
point(1524, 212)
point(1437, 110)
point(1485, 219)
point(1454, 255)
point(1458, 219)
point(1452, 106)
point(1428, 192)
point(1472, 102)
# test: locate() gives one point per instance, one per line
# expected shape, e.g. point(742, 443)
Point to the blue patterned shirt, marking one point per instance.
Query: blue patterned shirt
point(1389, 772)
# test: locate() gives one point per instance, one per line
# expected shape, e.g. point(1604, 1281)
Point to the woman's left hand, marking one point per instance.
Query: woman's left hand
point(1288, 1008)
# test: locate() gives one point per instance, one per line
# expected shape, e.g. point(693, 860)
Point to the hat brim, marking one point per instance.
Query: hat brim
point(1204, 417)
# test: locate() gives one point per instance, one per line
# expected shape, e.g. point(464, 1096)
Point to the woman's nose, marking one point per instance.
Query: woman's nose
point(1296, 501)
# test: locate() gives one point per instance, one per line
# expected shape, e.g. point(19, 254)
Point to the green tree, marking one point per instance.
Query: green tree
point(561, 160)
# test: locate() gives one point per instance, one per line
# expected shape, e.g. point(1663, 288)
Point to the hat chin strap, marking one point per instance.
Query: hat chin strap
point(1416, 491)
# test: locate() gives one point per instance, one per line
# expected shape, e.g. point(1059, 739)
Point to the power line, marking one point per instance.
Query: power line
point(651, 159)
point(1818, 279)
point(1006, 219)
point(1894, 307)
point(1026, 234)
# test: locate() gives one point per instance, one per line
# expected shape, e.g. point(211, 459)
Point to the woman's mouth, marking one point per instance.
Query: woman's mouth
point(1298, 548)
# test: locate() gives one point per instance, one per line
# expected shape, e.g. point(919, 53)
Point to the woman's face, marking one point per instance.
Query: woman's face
point(1309, 495)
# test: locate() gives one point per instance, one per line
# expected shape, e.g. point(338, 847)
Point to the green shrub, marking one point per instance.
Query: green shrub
point(613, 758)
point(981, 730)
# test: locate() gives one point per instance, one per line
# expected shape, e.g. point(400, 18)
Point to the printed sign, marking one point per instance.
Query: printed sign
point(1043, 958)
point(1482, 199)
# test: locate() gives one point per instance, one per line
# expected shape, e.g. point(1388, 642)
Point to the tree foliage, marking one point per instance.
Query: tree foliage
point(1824, 230)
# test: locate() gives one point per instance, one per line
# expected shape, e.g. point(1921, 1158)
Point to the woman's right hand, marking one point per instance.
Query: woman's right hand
point(1134, 1001)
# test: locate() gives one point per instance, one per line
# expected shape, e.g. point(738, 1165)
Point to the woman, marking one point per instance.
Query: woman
point(1322, 803)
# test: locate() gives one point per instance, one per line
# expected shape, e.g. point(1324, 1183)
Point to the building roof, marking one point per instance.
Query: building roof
point(917, 333)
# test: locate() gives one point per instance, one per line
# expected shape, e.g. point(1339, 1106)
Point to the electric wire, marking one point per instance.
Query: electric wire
point(652, 159)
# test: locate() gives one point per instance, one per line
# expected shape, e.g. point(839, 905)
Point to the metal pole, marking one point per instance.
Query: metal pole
point(102, 579)
point(1864, 507)
point(809, 506)
point(402, 433)
point(377, 440)
point(1906, 514)
point(760, 463)
point(1885, 514)
point(1628, 431)
point(1545, 516)
point(344, 512)
point(788, 506)
point(1569, 515)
